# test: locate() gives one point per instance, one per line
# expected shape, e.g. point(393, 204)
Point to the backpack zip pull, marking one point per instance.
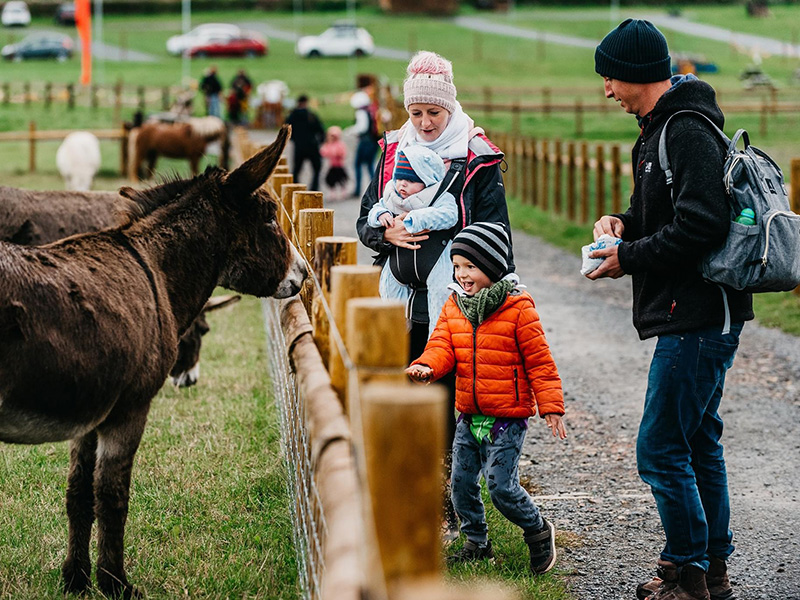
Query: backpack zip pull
point(671, 310)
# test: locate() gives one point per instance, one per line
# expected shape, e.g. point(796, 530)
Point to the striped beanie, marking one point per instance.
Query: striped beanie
point(404, 170)
point(486, 246)
point(636, 52)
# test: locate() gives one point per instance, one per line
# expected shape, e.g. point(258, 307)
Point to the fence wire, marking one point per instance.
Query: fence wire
point(309, 528)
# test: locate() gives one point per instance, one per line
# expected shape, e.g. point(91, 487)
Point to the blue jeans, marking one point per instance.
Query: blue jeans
point(365, 157)
point(678, 449)
point(213, 105)
point(499, 463)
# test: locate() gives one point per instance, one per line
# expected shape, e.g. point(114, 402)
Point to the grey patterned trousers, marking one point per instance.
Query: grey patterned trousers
point(499, 463)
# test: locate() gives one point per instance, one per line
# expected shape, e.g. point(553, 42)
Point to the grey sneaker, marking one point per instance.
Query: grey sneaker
point(471, 552)
point(542, 547)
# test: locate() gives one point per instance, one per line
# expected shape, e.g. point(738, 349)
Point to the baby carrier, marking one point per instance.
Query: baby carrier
point(412, 267)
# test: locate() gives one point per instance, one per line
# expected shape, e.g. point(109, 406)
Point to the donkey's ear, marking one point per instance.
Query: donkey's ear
point(252, 174)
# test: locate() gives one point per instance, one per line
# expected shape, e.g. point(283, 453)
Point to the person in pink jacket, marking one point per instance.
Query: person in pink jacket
point(334, 151)
point(490, 332)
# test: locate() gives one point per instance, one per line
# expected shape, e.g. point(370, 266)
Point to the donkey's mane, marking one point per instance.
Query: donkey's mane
point(140, 203)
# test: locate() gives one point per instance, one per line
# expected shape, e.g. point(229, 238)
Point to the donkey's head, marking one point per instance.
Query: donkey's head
point(261, 261)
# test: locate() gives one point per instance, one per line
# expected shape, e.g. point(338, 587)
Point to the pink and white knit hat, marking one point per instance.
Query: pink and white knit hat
point(430, 81)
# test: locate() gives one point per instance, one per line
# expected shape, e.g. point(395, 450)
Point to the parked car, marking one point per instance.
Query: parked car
point(246, 44)
point(40, 45)
point(341, 39)
point(65, 13)
point(202, 34)
point(15, 14)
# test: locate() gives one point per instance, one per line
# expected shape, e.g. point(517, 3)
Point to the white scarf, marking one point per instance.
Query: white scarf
point(453, 141)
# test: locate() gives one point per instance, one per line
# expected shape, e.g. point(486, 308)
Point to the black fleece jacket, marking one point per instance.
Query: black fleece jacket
point(662, 242)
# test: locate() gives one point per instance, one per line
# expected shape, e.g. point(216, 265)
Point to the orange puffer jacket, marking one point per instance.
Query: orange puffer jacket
point(503, 366)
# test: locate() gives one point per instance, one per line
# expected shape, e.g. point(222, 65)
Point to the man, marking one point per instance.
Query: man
point(307, 135)
point(697, 324)
point(211, 87)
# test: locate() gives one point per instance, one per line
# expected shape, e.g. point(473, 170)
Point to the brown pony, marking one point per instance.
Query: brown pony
point(175, 140)
point(89, 330)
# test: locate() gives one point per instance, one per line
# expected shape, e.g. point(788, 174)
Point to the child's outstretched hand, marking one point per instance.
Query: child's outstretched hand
point(556, 425)
point(420, 373)
point(386, 219)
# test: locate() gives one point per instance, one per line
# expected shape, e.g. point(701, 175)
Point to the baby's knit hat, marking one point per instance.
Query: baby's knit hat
point(486, 246)
point(636, 52)
point(404, 170)
point(429, 80)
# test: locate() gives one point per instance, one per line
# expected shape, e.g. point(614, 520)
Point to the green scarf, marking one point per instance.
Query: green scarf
point(476, 308)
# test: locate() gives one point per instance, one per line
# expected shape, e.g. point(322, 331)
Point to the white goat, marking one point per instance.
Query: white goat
point(78, 160)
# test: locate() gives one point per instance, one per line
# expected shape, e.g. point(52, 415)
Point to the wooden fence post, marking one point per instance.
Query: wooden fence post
point(763, 121)
point(26, 93)
point(6, 92)
point(558, 207)
point(93, 96)
point(510, 150)
point(579, 117)
point(600, 182)
point(165, 98)
point(546, 101)
point(310, 224)
point(347, 282)
point(794, 182)
point(534, 166)
point(527, 176)
point(544, 197)
point(571, 181)
point(487, 100)
point(32, 147)
point(515, 118)
point(404, 487)
point(287, 191)
point(70, 96)
point(302, 200)
point(48, 94)
point(118, 101)
point(329, 252)
point(616, 180)
point(123, 152)
point(277, 182)
point(584, 182)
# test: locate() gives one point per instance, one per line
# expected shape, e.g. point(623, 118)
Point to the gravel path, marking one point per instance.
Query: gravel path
point(607, 521)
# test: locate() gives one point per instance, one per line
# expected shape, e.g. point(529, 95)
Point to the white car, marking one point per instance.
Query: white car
point(201, 35)
point(15, 13)
point(341, 39)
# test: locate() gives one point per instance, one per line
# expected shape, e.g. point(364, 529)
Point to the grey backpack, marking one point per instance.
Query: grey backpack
point(764, 257)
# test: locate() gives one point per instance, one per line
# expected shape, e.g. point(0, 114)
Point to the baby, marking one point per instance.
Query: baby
point(412, 194)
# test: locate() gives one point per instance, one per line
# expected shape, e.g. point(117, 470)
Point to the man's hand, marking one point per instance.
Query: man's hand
point(610, 266)
point(613, 226)
point(398, 235)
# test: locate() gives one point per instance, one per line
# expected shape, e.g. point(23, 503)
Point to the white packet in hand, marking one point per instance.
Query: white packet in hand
point(590, 264)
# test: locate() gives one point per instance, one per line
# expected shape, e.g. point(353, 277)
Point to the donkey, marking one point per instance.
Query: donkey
point(33, 218)
point(89, 330)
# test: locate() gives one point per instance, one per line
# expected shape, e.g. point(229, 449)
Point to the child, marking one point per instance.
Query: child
point(496, 393)
point(416, 198)
point(335, 152)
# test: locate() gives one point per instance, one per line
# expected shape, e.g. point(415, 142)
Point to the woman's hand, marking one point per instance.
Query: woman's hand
point(399, 235)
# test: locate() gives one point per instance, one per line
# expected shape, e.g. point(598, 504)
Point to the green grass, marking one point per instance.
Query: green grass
point(209, 515)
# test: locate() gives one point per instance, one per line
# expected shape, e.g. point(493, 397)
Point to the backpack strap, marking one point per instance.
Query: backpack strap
point(456, 168)
point(663, 159)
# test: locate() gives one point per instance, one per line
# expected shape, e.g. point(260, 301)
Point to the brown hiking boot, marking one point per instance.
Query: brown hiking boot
point(691, 586)
point(719, 586)
point(666, 574)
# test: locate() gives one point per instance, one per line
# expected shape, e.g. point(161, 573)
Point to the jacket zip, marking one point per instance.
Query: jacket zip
point(671, 310)
point(475, 369)
point(516, 385)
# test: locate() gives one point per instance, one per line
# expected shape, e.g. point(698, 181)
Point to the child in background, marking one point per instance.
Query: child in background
point(515, 375)
point(417, 198)
point(335, 152)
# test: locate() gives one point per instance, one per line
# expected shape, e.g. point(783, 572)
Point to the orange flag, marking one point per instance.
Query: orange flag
point(83, 21)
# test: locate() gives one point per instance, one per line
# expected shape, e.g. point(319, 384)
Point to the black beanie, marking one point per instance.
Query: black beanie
point(635, 52)
point(486, 246)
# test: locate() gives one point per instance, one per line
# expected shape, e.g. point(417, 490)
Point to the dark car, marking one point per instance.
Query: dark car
point(242, 45)
point(65, 14)
point(48, 45)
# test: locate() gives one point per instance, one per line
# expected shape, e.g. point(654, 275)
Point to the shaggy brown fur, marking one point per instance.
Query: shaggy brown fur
point(33, 218)
point(89, 330)
point(173, 140)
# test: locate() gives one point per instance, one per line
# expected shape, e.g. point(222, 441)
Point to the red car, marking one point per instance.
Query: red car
point(244, 45)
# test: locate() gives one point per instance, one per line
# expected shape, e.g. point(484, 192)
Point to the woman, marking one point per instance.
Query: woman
point(437, 122)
